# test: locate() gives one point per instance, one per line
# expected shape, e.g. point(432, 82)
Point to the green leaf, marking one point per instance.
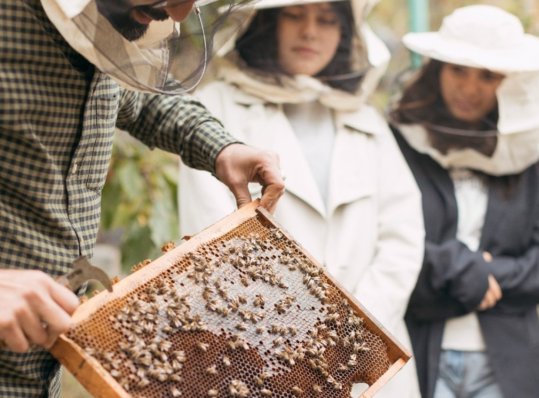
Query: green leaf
point(136, 247)
point(131, 181)
point(109, 204)
point(127, 215)
point(163, 220)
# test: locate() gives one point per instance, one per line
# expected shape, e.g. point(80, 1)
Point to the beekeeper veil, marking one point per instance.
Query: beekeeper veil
point(253, 57)
point(141, 43)
point(506, 139)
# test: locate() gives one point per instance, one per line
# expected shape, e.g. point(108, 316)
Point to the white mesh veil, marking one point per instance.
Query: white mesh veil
point(257, 46)
point(504, 141)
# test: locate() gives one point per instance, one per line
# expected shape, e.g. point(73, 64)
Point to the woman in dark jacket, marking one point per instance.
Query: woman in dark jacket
point(468, 126)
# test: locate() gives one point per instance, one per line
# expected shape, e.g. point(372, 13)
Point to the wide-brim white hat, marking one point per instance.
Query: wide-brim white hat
point(480, 36)
point(364, 5)
point(260, 4)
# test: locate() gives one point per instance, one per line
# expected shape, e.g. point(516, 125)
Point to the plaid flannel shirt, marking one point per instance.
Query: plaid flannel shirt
point(58, 116)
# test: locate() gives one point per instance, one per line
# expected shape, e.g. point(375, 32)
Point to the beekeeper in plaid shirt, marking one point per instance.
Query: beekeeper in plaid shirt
point(71, 72)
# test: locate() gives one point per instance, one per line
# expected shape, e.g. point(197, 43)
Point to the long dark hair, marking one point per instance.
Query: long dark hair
point(258, 46)
point(422, 103)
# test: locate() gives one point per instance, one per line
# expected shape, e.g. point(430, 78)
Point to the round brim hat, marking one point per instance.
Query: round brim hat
point(480, 36)
point(261, 4)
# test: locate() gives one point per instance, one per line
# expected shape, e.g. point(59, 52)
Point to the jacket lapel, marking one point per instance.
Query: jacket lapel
point(498, 210)
point(276, 134)
point(295, 168)
point(437, 190)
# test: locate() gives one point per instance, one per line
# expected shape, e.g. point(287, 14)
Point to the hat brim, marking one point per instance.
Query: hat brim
point(521, 58)
point(259, 5)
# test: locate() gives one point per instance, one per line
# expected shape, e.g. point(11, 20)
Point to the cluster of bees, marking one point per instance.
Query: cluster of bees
point(198, 295)
point(146, 323)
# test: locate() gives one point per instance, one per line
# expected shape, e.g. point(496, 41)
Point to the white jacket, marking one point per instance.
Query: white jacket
point(370, 234)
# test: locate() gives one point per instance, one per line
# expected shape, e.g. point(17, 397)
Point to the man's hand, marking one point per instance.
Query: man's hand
point(34, 309)
point(238, 164)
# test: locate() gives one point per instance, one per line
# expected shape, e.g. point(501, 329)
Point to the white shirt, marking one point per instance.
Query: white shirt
point(464, 333)
point(315, 130)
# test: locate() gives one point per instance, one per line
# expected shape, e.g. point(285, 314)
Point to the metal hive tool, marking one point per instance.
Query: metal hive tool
point(239, 310)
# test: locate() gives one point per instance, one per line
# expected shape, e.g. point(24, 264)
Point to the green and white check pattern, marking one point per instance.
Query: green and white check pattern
point(57, 120)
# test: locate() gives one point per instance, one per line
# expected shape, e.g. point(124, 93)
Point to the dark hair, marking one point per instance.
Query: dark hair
point(258, 47)
point(422, 103)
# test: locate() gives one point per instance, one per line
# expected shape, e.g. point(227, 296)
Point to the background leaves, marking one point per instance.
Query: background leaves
point(140, 200)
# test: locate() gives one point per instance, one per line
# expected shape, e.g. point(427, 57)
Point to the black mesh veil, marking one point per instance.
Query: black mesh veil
point(160, 56)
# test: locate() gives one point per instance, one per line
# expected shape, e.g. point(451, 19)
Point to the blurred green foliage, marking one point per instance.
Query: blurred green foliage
point(140, 199)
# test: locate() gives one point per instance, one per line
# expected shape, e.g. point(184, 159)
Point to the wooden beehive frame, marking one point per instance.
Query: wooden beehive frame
point(100, 383)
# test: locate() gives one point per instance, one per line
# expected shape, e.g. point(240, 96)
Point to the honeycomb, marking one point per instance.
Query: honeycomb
point(244, 313)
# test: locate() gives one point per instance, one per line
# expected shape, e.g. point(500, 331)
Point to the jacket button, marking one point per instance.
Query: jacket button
point(75, 168)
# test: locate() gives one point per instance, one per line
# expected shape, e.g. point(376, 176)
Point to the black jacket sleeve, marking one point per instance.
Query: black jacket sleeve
point(519, 276)
point(452, 282)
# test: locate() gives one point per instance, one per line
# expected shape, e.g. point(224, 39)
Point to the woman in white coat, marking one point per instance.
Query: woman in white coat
point(296, 83)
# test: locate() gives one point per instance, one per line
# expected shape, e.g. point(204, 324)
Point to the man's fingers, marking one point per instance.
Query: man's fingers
point(55, 311)
point(33, 328)
point(14, 338)
point(273, 182)
point(54, 320)
point(242, 195)
point(35, 309)
point(65, 298)
point(238, 164)
point(270, 196)
point(47, 313)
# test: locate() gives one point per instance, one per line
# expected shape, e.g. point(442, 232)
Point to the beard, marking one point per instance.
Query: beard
point(118, 13)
